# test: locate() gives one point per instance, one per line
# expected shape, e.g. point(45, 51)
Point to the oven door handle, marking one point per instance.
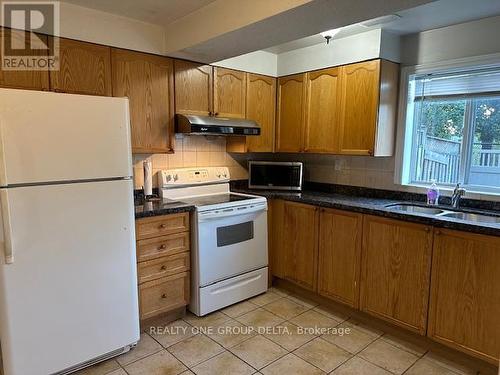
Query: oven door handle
point(232, 211)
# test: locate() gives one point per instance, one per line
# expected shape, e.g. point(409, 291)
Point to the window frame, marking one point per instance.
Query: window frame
point(405, 129)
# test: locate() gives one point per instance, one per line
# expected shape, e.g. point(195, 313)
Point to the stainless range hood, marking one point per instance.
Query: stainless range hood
point(208, 125)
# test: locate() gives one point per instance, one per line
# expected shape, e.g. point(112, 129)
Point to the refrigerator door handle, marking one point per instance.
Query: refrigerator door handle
point(3, 169)
point(7, 230)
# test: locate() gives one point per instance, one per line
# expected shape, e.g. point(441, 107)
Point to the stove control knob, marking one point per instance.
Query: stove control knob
point(169, 178)
point(176, 177)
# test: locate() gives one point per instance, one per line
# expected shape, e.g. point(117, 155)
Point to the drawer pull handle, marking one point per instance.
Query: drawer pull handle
point(163, 268)
point(163, 295)
point(163, 226)
point(162, 247)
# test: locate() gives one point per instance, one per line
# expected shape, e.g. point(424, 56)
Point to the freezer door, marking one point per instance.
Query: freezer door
point(48, 136)
point(70, 294)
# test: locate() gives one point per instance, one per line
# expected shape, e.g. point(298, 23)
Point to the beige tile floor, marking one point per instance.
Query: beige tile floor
point(268, 335)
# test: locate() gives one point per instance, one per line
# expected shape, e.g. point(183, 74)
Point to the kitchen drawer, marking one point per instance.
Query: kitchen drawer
point(153, 248)
point(162, 267)
point(163, 295)
point(161, 225)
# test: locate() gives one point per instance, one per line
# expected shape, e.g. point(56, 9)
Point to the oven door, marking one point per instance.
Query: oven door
point(231, 241)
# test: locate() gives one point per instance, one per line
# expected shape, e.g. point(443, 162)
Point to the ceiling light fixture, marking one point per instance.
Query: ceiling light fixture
point(329, 34)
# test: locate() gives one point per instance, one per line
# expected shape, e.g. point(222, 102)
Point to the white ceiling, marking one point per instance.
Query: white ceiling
point(159, 12)
point(425, 17)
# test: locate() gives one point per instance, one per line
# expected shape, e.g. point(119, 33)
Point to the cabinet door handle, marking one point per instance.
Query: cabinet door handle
point(7, 229)
point(162, 247)
point(163, 268)
point(216, 114)
point(164, 296)
point(163, 226)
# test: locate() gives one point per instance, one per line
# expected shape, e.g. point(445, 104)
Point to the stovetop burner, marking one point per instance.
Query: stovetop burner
point(208, 200)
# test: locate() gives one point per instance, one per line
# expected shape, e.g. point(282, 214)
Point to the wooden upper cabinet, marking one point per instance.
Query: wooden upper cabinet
point(193, 88)
point(395, 276)
point(465, 293)
point(24, 79)
point(84, 68)
point(261, 107)
point(339, 260)
point(322, 110)
point(290, 119)
point(300, 247)
point(368, 110)
point(229, 93)
point(148, 82)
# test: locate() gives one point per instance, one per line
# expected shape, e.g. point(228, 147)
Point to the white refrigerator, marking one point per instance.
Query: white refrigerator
point(68, 282)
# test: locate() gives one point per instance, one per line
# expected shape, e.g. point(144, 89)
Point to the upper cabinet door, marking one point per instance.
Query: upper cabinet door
point(24, 79)
point(322, 110)
point(193, 88)
point(261, 107)
point(148, 82)
point(289, 123)
point(360, 95)
point(84, 68)
point(229, 93)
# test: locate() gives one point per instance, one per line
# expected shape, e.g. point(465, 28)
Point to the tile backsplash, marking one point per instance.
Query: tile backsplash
point(190, 151)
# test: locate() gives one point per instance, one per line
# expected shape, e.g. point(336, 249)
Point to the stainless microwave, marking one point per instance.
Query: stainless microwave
point(275, 175)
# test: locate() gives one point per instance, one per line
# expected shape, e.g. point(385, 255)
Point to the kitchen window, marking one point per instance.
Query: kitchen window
point(452, 129)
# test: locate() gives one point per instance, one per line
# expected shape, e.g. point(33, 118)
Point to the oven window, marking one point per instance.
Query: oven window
point(234, 233)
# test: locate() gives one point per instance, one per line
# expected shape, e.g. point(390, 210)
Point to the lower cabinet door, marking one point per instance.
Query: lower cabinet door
point(465, 293)
point(162, 295)
point(300, 245)
point(396, 266)
point(339, 255)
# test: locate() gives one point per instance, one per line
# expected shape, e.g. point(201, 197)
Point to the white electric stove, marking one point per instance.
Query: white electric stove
point(229, 237)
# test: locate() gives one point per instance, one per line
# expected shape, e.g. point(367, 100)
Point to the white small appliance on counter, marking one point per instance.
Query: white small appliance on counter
point(68, 282)
point(229, 237)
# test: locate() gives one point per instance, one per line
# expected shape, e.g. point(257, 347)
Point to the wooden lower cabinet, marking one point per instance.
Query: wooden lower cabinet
point(163, 266)
point(465, 293)
point(300, 244)
point(383, 267)
point(275, 212)
point(339, 255)
point(163, 295)
point(396, 266)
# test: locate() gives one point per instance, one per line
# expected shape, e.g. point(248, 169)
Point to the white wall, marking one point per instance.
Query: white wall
point(369, 45)
point(260, 62)
point(475, 38)
point(338, 52)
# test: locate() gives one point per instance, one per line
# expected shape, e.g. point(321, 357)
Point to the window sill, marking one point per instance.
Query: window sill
point(448, 191)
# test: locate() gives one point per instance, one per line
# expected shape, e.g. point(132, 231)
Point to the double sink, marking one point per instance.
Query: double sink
point(460, 215)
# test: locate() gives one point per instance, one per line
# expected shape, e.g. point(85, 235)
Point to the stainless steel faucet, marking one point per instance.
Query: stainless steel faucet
point(458, 192)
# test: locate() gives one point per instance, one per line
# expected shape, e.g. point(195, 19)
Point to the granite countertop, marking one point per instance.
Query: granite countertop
point(377, 206)
point(158, 207)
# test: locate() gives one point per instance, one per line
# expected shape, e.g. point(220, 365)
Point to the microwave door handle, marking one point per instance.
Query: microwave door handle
point(7, 229)
point(229, 212)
